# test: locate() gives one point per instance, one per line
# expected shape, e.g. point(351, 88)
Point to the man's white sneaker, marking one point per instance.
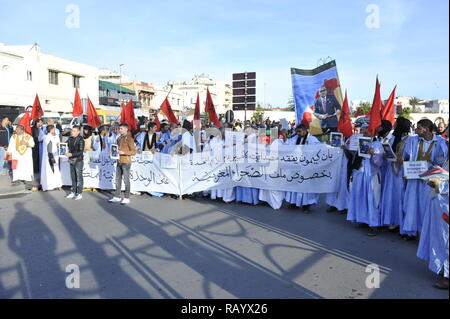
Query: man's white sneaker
point(125, 201)
point(115, 200)
point(78, 197)
point(70, 196)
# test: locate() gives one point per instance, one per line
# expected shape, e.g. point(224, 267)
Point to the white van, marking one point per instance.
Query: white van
point(47, 115)
point(68, 121)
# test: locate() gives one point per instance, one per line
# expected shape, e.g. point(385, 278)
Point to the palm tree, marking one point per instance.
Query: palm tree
point(414, 101)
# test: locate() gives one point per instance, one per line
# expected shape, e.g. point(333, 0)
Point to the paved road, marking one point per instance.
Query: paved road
point(167, 248)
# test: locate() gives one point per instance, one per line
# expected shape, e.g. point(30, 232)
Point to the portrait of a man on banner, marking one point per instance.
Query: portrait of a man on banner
point(318, 98)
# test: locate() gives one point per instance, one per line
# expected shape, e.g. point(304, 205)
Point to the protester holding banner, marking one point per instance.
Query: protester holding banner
point(127, 149)
point(365, 189)
point(148, 140)
point(248, 195)
point(424, 147)
point(216, 147)
point(303, 200)
point(275, 198)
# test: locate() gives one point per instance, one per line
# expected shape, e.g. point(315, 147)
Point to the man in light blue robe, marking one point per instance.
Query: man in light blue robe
point(418, 194)
point(433, 245)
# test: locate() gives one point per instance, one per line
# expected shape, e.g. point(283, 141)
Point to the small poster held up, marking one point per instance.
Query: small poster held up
point(115, 152)
point(364, 145)
point(412, 169)
point(336, 139)
point(390, 155)
point(62, 149)
point(353, 142)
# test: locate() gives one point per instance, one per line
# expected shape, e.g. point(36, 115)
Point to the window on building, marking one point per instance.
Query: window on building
point(53, 77)
point(76, 81)
point(29, 76)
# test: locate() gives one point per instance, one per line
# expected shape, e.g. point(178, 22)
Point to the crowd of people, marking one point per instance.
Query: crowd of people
point(372, 190)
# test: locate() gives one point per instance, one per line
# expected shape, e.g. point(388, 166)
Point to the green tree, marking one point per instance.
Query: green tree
point(258, 111)
point(363, 109)
point(291, 104)
point(406, 113)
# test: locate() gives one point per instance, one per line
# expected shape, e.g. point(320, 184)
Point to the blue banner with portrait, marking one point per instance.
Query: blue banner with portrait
point(317, 97)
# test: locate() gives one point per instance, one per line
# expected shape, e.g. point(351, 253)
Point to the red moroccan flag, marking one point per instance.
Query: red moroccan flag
point(388, 111)
point(92, 116)
point(445, 217)
point(77, 107)
point(345, 123)
point(25, 122)
point(375, 111)
point(167, 110)
point(197, 121)
point(123, 119)
point(210, 110)
point(130, 119)
point(158, 123)
point(37, 112)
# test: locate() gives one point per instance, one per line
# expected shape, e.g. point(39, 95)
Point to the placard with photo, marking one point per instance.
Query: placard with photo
point(62, 149)
point(336, 139)
point(115, 151)
point(390, 155)
point(364, 145)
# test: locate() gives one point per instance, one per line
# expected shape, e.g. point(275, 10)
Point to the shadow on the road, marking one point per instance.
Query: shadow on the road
point(35, 244)
point(112, 281)
point(219, 265)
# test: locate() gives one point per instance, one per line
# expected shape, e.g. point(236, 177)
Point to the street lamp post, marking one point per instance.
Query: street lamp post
point(120, 80)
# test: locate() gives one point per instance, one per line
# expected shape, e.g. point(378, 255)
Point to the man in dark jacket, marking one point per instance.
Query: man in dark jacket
point(5, 135)
point(75, 145)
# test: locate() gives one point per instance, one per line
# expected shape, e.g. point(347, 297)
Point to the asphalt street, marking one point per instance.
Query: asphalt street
point(196, 248)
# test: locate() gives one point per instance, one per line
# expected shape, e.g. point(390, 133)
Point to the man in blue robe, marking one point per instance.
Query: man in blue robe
point(424, 147)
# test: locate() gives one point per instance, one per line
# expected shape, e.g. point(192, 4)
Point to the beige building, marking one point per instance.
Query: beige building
point(25, 70)
point(221, 92)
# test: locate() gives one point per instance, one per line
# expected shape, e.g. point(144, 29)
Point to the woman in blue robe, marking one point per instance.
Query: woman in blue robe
point(393, 184)
point(365, 189)
point(417, 196)
point(433, 245)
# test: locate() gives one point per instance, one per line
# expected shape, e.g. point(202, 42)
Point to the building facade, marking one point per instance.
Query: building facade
point(221, 92)
point(26, 71)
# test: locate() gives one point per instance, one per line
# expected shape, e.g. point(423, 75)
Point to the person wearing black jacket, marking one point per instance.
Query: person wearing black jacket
point(75, 144)
point(5, 135)
point(36, 131)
